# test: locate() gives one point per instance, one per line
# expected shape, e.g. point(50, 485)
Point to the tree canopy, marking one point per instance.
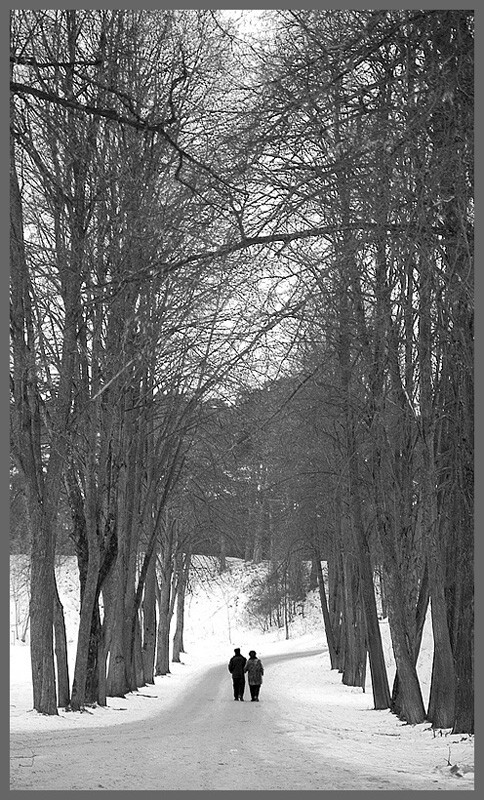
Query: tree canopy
point(242, 324)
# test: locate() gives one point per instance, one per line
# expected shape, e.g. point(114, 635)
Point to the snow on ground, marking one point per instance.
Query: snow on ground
point(216, 623)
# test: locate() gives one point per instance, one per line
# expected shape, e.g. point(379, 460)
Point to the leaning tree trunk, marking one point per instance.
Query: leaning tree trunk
point(411, 703)
point(410, 706)
point(381, 691)
point(316, 565)
point(420, 615)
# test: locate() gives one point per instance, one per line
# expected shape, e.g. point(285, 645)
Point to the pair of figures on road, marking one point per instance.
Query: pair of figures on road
point(238, 666)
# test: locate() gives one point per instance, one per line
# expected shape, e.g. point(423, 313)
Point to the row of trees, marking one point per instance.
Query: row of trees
point(171, 209)
point(369, 137)
point(116, 333)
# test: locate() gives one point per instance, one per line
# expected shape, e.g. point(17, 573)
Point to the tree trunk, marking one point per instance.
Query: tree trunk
point(451, 50)
point(442, 690)
point(27, 451)
point(178, 645)
point(257, 518)
point(91, 695)
point(410, 697)
point(336, 598)
point(89, 624)
point(441, 708)
point(163, 643)
point(101, 666)
point(285, 600)
point(313, 576)
point(316, 566)
point(354, 665)
point(420, 616)
point(120, 651)
point(134, 523)
point(381, 691)
point(86, 648)
point(149, 621)
point(138, 667)
point(410, 703)
point(383, 593)
point(63, 687)
point(42, 588)
point(117, 683)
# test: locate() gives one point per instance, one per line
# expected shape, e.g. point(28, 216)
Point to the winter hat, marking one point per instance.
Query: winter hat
point(252, 653)
point(237, 651)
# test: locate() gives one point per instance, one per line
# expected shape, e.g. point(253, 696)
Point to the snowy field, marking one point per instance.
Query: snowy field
point(327, 710)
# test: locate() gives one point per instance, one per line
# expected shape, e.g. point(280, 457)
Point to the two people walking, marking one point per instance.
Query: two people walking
point(238, 666)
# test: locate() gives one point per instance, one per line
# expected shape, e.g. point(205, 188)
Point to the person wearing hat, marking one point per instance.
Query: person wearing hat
point(255, 671)
point(236, 669)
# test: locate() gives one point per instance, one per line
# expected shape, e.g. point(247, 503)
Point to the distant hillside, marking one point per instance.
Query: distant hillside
point(217, 610)
point(219, 604)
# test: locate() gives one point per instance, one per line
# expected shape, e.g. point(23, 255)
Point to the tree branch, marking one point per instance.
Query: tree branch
point(111, 114)
point(41, 64)
point(107, 113)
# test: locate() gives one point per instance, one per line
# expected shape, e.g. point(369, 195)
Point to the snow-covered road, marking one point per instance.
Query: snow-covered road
point(205, 740)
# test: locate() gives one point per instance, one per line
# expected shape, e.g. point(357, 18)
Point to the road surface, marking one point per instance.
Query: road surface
point(206, 741)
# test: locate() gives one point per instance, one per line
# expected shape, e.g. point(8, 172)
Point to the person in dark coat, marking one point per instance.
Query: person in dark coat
point(236, 669)
point(255, 671)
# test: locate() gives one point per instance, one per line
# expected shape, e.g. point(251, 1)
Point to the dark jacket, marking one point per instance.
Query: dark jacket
point(255, 671)
point(236, 666)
